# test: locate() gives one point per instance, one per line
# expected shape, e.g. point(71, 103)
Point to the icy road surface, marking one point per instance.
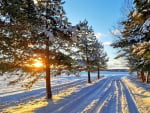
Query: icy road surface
point(109, 95)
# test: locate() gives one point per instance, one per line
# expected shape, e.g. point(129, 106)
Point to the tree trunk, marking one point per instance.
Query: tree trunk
point(48, 79)
point(88, 68)
point(147, 77)
point(48, 83)
point(98, 73)
point(89, 77)
point(142, 76)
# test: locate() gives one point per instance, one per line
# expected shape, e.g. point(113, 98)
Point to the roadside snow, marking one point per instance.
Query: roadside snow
point(15, 94)
point(6, 90)
point(140, 93)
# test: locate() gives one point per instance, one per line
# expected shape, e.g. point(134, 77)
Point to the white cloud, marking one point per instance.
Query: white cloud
point(98, 35)
point(117, 64)
point(116, 32)
point(106, 43)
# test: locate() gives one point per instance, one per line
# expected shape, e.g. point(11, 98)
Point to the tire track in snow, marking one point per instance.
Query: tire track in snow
point(105, 97)
point(118, 98)
point(132, 108)
point(78, 103)
point(124, 104)
point(82, 100)
point(102, 96)
point(109, 105)
point(111, 101)
point(105, 103)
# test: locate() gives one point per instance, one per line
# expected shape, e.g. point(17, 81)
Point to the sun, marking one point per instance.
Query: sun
point(35, 1)
point(38, 64)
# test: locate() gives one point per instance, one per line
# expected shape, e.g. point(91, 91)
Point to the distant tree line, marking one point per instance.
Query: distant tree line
point(39, 30)
point(134, 39)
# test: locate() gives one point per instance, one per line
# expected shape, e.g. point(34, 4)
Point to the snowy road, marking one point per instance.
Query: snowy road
point(109, 95)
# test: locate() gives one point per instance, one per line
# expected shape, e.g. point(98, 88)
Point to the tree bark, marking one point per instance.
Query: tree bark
point(48, 78)
point(88, 68)
point(142, 76)
point(89, 77)
point(98, 73)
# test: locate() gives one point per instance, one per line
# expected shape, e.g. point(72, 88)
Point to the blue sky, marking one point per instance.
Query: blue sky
point(102, 15)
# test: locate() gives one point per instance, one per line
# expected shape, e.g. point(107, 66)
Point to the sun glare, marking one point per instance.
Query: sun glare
point(38, 64)
point(35, 1)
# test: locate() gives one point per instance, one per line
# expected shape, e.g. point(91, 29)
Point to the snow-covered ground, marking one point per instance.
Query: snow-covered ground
point(110, 94)
point(14, 94)
point(140, 93)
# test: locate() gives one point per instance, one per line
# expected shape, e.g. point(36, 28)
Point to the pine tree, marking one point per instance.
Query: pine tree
point(85, 44)
point(15, 33)
point(33, 31)
point(100, 58)
point(136, 36)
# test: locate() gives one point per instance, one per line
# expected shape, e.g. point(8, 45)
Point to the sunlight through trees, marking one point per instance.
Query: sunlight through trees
point(35, 29)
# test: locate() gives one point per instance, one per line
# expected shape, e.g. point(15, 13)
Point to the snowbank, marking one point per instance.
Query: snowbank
point(140, 93)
